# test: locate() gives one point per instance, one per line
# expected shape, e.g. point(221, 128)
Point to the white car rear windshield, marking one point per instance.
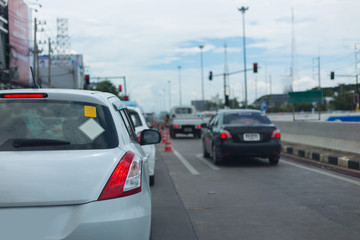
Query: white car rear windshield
point(55, 125)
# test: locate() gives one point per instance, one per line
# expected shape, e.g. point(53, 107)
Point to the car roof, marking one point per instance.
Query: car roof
point(239, 111)
point(137, 109)
point(67, 94)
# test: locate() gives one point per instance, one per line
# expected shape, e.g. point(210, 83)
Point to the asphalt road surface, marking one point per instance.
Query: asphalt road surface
point(249, 199)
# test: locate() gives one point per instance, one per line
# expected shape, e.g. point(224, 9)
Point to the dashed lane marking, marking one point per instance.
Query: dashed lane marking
point(192, 170)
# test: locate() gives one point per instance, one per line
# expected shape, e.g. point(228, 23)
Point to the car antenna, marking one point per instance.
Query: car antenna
point(35, 84)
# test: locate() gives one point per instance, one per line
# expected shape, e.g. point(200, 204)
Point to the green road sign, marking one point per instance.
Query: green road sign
point(305, 96)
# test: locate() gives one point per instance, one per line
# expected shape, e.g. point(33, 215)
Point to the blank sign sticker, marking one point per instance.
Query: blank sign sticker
point(91, 128)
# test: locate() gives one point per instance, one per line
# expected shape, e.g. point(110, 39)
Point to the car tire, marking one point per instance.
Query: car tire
point(152, 180)
point(205, 153)
point(274, 160)
point(198, 134)
point(216, 157)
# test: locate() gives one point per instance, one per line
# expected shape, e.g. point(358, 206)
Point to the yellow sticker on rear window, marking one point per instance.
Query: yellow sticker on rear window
point(90, 111)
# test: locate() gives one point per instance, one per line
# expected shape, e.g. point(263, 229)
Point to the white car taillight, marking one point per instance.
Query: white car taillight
point(126, 178)
point(275, 134)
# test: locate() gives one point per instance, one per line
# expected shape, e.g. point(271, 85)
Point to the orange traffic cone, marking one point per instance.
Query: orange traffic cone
point(168, 142)
point(163, 136)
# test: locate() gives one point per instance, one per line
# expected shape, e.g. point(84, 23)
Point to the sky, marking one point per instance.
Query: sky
point(148, 40)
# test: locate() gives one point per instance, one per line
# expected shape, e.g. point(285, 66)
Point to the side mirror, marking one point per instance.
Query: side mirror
point(149, 136)
point(203, 125)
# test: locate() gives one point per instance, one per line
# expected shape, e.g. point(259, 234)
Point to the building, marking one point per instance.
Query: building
point(200, 105)
point(3, 42)
point(66, 71)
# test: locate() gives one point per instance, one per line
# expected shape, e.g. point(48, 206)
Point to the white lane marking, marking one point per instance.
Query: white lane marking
point(209, 164)
point(192, 170)
point(323, 173)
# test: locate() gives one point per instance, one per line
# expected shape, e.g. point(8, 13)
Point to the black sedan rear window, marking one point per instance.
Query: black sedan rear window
point(55, 125)
point(245, 118)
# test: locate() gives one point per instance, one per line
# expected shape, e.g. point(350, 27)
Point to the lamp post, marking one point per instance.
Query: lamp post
point(243, 9)
point(169, 95)
point(202, 72)
point(179, 67)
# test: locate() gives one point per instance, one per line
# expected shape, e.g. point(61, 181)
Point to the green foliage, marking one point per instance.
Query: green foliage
point(107, 86)
point(343, 102)
point(213, 106)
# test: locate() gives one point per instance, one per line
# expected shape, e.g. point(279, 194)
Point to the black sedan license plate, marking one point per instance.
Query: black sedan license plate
point(251, 137)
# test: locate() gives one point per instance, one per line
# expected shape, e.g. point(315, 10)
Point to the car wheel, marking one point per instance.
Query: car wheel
point(205, 153)
point(216, 157)
point(274, 160)
point(152, 180)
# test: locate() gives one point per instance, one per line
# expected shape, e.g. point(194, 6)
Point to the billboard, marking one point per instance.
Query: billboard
point(19, 40)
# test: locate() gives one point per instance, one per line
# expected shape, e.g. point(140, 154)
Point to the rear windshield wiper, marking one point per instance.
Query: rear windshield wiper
point(24, 142)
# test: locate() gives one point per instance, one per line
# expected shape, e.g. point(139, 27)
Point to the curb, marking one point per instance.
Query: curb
point(330, 159)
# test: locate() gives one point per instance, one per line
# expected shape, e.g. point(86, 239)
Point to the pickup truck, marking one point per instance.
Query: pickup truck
point(184, 120)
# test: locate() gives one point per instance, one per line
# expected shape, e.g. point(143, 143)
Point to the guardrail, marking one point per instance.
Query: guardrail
point(341, 136)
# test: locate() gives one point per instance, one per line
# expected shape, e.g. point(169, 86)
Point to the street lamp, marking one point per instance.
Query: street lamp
point(179, 67)
point(202, 71)
point(169, 95)
point(243, 9)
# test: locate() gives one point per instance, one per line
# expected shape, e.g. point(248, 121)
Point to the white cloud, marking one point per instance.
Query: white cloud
point(129, 37)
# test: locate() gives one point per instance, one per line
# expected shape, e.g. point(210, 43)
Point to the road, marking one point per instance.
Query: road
point(193, 199)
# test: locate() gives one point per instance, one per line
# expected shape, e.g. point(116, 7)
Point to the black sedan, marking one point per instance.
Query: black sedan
point(241, 133)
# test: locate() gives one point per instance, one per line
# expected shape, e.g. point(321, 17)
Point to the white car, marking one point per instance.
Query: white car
point(71, 167)
point(139, 121)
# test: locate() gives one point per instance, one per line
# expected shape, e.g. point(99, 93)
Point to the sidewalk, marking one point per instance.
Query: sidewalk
point(322, 155)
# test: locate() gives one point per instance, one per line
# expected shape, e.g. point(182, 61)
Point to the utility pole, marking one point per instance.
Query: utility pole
point(319, 77)
point(169, 95)
point(292, 50)
point(179, 67)
point(316, 64)
point(49, 65)
point(226, 97)
point(35, 60)
point(202, 72)
point(242, 10)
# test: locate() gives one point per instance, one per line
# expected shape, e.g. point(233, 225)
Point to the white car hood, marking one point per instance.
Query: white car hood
point(34, 178)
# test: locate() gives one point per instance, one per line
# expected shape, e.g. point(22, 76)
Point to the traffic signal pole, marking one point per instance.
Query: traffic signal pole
point(211, 76)
point(332, 77)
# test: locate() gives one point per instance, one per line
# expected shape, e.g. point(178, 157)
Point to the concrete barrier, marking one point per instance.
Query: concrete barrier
point(341, 136)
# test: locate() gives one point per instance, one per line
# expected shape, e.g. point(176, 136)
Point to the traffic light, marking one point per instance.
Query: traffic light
point(356, 98)
point(255, 67)
point(120, 88)
point(332, 75)
point(227, 102)
point(87, 79)
point(126, 98)
point(210, 75)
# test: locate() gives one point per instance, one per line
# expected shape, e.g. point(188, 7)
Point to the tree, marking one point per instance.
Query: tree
point(107, 86)
point(343, 101)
